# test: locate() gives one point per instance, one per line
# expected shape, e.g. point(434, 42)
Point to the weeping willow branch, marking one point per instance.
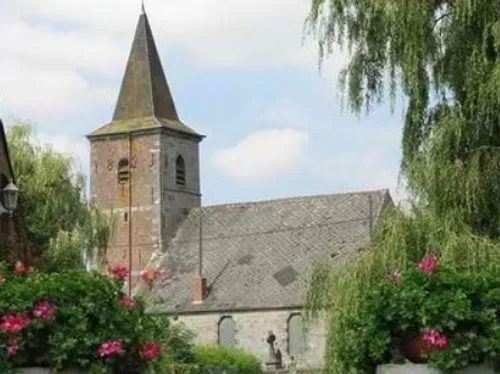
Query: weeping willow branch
point(450, 77)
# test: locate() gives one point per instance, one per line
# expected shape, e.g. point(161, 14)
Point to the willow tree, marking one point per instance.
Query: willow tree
point(57, 216)
point(443, 56)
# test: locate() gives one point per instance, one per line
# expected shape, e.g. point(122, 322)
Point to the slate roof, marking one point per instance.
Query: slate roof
point(145, 100)
point(257, 255)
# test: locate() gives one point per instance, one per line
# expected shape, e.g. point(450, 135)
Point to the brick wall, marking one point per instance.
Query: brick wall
point(13, 246)
point(112, 197)
point(252, 330)
point(158, 205)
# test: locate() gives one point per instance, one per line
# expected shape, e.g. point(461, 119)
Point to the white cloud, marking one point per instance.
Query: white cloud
point(77, 149)
point(57, 51)
point(215, 32)
point(32, 91)
point(263, 155)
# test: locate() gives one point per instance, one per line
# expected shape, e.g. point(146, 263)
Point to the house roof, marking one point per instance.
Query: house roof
point(5, 162)
point(257, 255)
point(145, 100)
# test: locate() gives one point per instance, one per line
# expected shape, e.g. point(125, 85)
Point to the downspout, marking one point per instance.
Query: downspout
point(370, 217)
point(130, 214)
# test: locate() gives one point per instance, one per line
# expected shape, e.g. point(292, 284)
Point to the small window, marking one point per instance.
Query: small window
point(180, 172)
point(227, 332)
point(296, 336)
point(123, 171)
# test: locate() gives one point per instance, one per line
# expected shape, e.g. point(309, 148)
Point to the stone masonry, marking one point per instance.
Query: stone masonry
point(251, 334)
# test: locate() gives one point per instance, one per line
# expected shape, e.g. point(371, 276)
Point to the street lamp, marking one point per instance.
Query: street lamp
point(10, 194)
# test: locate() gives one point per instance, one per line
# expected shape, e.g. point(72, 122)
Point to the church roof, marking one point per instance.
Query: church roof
point(257, 255)
point(145, 100)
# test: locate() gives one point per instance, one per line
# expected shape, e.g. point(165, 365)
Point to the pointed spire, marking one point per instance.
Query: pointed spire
point(144, 91)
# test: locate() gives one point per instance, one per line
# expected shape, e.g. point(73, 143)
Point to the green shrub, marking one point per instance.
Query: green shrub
point(61, 320)
point(224, 360)
point(430, 313)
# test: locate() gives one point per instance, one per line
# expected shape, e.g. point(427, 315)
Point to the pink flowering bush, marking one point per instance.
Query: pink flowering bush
point(428, 313)
point(81, 320)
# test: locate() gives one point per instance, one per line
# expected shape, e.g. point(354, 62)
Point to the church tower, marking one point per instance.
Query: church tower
point(144, 163)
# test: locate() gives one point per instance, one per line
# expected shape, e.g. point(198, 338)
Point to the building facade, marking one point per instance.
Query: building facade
point(234, 273)
point(13, 244)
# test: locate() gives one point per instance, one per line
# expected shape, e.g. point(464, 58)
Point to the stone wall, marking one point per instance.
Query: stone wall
point(252, 330)
point(178, 200)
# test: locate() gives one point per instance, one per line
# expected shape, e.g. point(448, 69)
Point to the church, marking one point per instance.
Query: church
point(232, 273)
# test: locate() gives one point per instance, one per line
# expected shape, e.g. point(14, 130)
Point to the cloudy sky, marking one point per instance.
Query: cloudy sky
point(239, 71)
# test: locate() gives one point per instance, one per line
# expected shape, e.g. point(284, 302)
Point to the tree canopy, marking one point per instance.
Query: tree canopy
point(57, 216)
point(443, 56)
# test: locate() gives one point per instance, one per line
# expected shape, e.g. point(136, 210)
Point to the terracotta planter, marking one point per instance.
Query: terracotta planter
point(415, 349)
point(424, 369)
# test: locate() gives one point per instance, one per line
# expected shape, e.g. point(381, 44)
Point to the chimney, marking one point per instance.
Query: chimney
point(199, 289)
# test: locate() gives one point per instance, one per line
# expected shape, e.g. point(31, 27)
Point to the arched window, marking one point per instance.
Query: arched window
point(296, 336)
point(227, 332)
point(180, 172)
point(123, 170)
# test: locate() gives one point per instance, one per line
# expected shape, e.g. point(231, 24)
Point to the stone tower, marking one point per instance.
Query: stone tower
point(145, 162)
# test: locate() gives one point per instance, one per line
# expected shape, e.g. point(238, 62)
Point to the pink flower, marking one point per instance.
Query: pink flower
point(395, 275)
point(44, 310)
point(13, 323)
point(127, 302)
point(149, 276)
point(429, 263)
point(110, 348)
point(435, 339)
point(119, 272)
point(12, 346)
point(150, 351)
point(20, 268)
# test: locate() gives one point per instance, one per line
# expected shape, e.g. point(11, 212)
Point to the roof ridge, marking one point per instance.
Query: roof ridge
point(381, 191)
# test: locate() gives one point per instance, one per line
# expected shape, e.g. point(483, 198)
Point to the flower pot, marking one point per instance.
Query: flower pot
point(425, 369)
point(415, 349)
point(45, 371)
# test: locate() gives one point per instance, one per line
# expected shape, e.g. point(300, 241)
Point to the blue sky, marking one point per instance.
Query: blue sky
point(239, 73)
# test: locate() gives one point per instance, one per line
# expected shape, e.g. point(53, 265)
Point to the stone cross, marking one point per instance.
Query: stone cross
point(274, 360)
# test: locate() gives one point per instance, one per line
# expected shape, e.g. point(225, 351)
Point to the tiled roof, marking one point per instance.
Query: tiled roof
point(257, 255)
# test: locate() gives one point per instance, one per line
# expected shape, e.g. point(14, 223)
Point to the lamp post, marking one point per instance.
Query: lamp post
point(10, 195)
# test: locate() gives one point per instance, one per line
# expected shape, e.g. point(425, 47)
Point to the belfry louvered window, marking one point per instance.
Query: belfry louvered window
point(123, 171)
point(180, 172)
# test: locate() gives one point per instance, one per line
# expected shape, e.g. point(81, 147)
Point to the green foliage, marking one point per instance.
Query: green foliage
point(88, 312)
point(444, 57)
point(56, 216)
point(212, 360)
point(464, 306)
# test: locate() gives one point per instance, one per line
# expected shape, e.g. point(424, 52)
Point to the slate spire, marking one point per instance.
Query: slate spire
point(144, 91)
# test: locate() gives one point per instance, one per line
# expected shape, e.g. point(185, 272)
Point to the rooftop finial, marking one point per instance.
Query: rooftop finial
point(143, 8)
